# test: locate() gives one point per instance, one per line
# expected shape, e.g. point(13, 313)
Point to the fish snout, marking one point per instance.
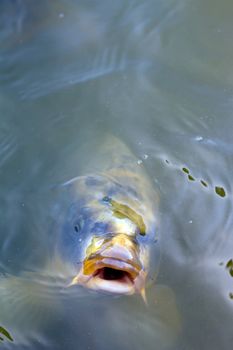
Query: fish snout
point(119, 252)
point(115, 267)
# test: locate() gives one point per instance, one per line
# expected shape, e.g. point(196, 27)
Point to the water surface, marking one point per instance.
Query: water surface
point(158, 75)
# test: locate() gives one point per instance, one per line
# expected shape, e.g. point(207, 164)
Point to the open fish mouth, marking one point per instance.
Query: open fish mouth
point(115, 269)
point(113, 275)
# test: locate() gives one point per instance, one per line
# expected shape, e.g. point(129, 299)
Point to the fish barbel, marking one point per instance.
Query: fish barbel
point(111, 226)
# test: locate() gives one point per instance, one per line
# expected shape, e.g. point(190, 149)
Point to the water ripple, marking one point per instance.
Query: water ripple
point(108, 62)
point(8, 143)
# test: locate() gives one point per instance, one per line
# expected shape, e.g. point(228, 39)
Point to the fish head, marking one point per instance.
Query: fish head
point(110, 246)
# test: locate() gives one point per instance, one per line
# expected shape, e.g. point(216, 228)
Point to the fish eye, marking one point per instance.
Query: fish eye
point(78, 226)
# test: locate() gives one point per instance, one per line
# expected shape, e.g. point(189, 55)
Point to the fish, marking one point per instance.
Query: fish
point(104, 240)
point(111, 227)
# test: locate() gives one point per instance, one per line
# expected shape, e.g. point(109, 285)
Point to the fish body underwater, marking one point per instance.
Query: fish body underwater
point(106, 240)
point(110, 236)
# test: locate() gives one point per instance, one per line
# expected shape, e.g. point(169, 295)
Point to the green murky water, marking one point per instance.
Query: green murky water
point(157, 74)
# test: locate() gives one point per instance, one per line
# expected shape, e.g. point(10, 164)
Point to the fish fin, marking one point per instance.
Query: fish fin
point(26, 305)
point(143, 295)
point(166, 307)
point(74, 281)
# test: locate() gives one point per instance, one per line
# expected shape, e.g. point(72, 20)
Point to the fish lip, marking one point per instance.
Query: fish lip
point(128, 278)
point(116, 262)
point(113, 266)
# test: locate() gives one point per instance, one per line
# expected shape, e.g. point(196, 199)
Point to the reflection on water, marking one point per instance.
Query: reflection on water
point(5, 333)
point(158, 75)
point(219, 190)
point(229, 267)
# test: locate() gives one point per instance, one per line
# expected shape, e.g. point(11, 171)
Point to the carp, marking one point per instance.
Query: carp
point(111, 227)
point(104, 238)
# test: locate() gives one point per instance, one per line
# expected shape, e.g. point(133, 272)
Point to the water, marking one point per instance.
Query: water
point(159, 76)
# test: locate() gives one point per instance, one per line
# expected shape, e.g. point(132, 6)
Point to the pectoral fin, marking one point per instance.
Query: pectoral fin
point(25, 305)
